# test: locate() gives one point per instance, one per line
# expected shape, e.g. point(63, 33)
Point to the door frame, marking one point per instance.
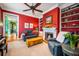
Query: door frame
point(4, 14)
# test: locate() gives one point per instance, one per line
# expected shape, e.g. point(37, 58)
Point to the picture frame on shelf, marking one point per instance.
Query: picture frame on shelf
point(49, 20)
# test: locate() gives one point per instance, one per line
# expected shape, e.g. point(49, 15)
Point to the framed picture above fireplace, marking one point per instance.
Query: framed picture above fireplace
point(49, 19)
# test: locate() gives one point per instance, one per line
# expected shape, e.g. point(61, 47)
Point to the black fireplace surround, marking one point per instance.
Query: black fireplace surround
point(48, 35)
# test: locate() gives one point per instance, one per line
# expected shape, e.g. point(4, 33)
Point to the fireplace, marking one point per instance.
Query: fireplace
point(48, 35)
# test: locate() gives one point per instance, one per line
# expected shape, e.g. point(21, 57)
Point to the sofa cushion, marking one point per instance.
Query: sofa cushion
point(60, 38)
point(54, 43)
point(29, 31)
point(51, 44)
point(57, 51)
point(55, 48)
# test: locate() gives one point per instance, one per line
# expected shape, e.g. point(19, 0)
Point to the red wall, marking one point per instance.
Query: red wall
point(55, 18)
point(25, 19)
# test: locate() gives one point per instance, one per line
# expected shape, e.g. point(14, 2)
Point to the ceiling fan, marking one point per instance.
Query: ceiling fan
point(33, 8)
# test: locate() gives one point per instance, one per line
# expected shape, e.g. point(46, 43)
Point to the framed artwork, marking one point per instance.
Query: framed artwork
point(31, 25)
point(26, 25)
point(49, 19)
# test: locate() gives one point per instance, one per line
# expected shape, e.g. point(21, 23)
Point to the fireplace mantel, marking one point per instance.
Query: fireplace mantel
point(50, 30)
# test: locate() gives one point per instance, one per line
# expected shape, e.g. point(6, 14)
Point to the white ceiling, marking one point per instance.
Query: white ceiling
point(19, 7)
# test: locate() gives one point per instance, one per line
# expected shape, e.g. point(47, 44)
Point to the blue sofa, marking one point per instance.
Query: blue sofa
point(28, 34)
point(54, 44)
point(55, 47)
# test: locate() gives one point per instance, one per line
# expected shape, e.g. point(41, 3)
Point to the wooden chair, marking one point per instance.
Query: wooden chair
point(3, 46)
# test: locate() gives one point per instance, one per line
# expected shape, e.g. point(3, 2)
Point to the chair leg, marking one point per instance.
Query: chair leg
point(6, 49)
point(2, 53)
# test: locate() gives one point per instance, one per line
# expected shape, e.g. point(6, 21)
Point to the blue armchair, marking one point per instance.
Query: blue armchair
point(54, 44)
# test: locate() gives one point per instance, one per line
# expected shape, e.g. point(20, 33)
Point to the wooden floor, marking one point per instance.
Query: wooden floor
point(19, 48)
point(45, 41)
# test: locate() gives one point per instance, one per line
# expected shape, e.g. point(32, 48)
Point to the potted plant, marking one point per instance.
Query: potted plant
point(72, 38)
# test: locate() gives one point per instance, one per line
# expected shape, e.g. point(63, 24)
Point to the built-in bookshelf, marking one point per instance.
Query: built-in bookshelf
point(70, 18)
point(41, 23)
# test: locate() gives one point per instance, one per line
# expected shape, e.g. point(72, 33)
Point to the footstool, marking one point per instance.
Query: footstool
point(34, 41)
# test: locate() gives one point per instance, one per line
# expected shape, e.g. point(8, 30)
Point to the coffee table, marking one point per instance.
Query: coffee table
point(34, 41)
point(67, 50)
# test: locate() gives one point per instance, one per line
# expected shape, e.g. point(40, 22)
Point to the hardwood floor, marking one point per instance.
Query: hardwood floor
point(19, 48)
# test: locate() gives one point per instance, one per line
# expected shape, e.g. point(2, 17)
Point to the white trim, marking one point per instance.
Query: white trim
point(18, 26)
point(4, 14)
point(60, 20)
